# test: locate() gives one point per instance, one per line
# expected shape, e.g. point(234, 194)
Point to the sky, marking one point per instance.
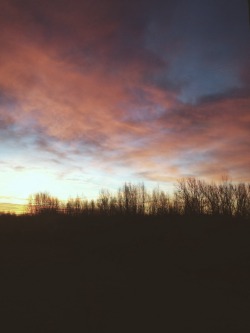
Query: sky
point(95, 93)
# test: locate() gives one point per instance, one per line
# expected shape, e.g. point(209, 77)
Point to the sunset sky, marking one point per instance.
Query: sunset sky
point(94, 93)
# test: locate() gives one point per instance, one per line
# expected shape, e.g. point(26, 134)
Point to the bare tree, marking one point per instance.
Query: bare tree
point(104, 202)
point(191, 196)
point(43, 203)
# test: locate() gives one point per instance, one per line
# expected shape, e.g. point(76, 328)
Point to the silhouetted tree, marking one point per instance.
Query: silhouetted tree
point(43, 203)
point(159, 203)
point(192, 197)
point(104, 202)
point(74, 206)
point(131, 199)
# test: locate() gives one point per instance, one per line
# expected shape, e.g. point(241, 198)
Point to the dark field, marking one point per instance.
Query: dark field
point(148, 275)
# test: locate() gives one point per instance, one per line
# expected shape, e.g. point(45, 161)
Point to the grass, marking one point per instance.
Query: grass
point(148, 275)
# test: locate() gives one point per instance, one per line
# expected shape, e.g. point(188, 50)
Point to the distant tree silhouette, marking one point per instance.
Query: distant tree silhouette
point(104, 202)
point(242, 200)
point(43, 203)
point(159, 203)
point(131, 199)
point(192, 197)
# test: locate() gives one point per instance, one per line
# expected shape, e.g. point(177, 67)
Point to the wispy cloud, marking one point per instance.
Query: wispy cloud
point(155, 90)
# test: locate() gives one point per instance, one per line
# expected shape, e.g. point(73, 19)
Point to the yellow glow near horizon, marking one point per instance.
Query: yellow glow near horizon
point(17, 186)
point(12, 208)
point(25, 183)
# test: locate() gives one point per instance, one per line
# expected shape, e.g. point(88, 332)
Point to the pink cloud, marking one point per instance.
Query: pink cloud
point(99, 94)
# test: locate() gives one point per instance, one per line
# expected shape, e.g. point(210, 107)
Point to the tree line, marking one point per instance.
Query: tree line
point(191, 197)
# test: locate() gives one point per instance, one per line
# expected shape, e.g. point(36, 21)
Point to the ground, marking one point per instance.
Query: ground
point(113, 275)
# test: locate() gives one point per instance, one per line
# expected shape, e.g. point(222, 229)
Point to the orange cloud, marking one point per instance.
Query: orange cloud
point(88, 83)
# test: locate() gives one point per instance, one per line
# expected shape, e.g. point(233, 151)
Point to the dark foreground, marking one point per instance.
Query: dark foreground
point(120, 276)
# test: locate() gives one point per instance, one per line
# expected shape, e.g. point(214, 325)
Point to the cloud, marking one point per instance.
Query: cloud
point(152, 89)
point(5, 121)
